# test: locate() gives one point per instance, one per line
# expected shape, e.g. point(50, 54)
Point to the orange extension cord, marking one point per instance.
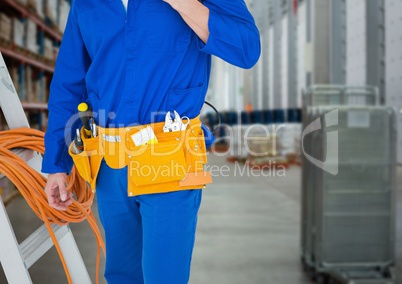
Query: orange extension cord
point(31, 185)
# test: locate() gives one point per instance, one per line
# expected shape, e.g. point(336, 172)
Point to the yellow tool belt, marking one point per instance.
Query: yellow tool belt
point(175, 162)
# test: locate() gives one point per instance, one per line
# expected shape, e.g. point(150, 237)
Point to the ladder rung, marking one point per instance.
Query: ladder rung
point(37, 244)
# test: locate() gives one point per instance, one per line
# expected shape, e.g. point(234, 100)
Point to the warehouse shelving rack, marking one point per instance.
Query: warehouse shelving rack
point(24, 11)
point(23, 57)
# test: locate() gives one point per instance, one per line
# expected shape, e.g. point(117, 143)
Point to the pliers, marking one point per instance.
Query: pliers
point(176, 124)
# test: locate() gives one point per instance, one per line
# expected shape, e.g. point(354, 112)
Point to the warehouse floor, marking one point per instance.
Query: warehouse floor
point(248, 231)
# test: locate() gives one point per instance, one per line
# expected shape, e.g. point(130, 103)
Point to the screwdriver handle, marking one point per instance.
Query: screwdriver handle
point(85, 113)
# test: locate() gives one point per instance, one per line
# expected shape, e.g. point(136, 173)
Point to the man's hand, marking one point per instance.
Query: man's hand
point(195, 14)
point(57, 194)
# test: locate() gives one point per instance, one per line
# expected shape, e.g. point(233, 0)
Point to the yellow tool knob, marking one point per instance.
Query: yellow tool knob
point(83, 107)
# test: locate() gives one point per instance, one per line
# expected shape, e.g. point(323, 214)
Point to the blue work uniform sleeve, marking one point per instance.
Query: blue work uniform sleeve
point(67, 90)
point(233, 36)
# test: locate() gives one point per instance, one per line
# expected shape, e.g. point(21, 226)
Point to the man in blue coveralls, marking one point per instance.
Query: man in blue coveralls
point(131, 60)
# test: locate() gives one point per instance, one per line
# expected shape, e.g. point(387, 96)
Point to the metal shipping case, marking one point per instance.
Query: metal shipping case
point(313, 96)
point(322, 95)
point(354, 228)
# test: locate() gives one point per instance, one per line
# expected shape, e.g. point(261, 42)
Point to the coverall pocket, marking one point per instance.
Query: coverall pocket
point(167, 31)
point(186, 101)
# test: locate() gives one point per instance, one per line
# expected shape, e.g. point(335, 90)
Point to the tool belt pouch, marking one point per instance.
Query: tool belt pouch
point(176, 162)
point(89, 160)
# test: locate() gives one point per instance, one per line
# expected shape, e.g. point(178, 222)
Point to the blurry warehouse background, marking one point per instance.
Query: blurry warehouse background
point(317, 56)
point(30, 35)
point(305, 42)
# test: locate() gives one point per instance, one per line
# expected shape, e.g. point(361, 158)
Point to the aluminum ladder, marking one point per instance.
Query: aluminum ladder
point(16, 258)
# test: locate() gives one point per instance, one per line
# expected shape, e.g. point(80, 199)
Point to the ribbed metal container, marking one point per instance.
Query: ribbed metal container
point(354, 209)
point(314, 96)
point(332, 96)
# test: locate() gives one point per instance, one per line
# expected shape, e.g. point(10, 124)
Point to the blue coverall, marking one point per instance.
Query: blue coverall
point(127, 65)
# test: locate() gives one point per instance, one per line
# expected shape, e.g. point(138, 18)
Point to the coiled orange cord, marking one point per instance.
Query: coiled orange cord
point(31, 185)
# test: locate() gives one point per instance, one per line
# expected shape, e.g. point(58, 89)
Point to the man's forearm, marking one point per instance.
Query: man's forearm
point(195, 14)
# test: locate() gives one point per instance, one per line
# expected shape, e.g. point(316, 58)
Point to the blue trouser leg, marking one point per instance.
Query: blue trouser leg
point(149, 238)
point(169, 224)
point(122, 224)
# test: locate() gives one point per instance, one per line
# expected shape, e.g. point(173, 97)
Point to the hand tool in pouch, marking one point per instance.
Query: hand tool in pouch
point(85, 115)
point(78, 145)
point(177, 124)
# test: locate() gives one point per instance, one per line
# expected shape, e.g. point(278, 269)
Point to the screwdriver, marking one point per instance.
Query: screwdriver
point(84, 112)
